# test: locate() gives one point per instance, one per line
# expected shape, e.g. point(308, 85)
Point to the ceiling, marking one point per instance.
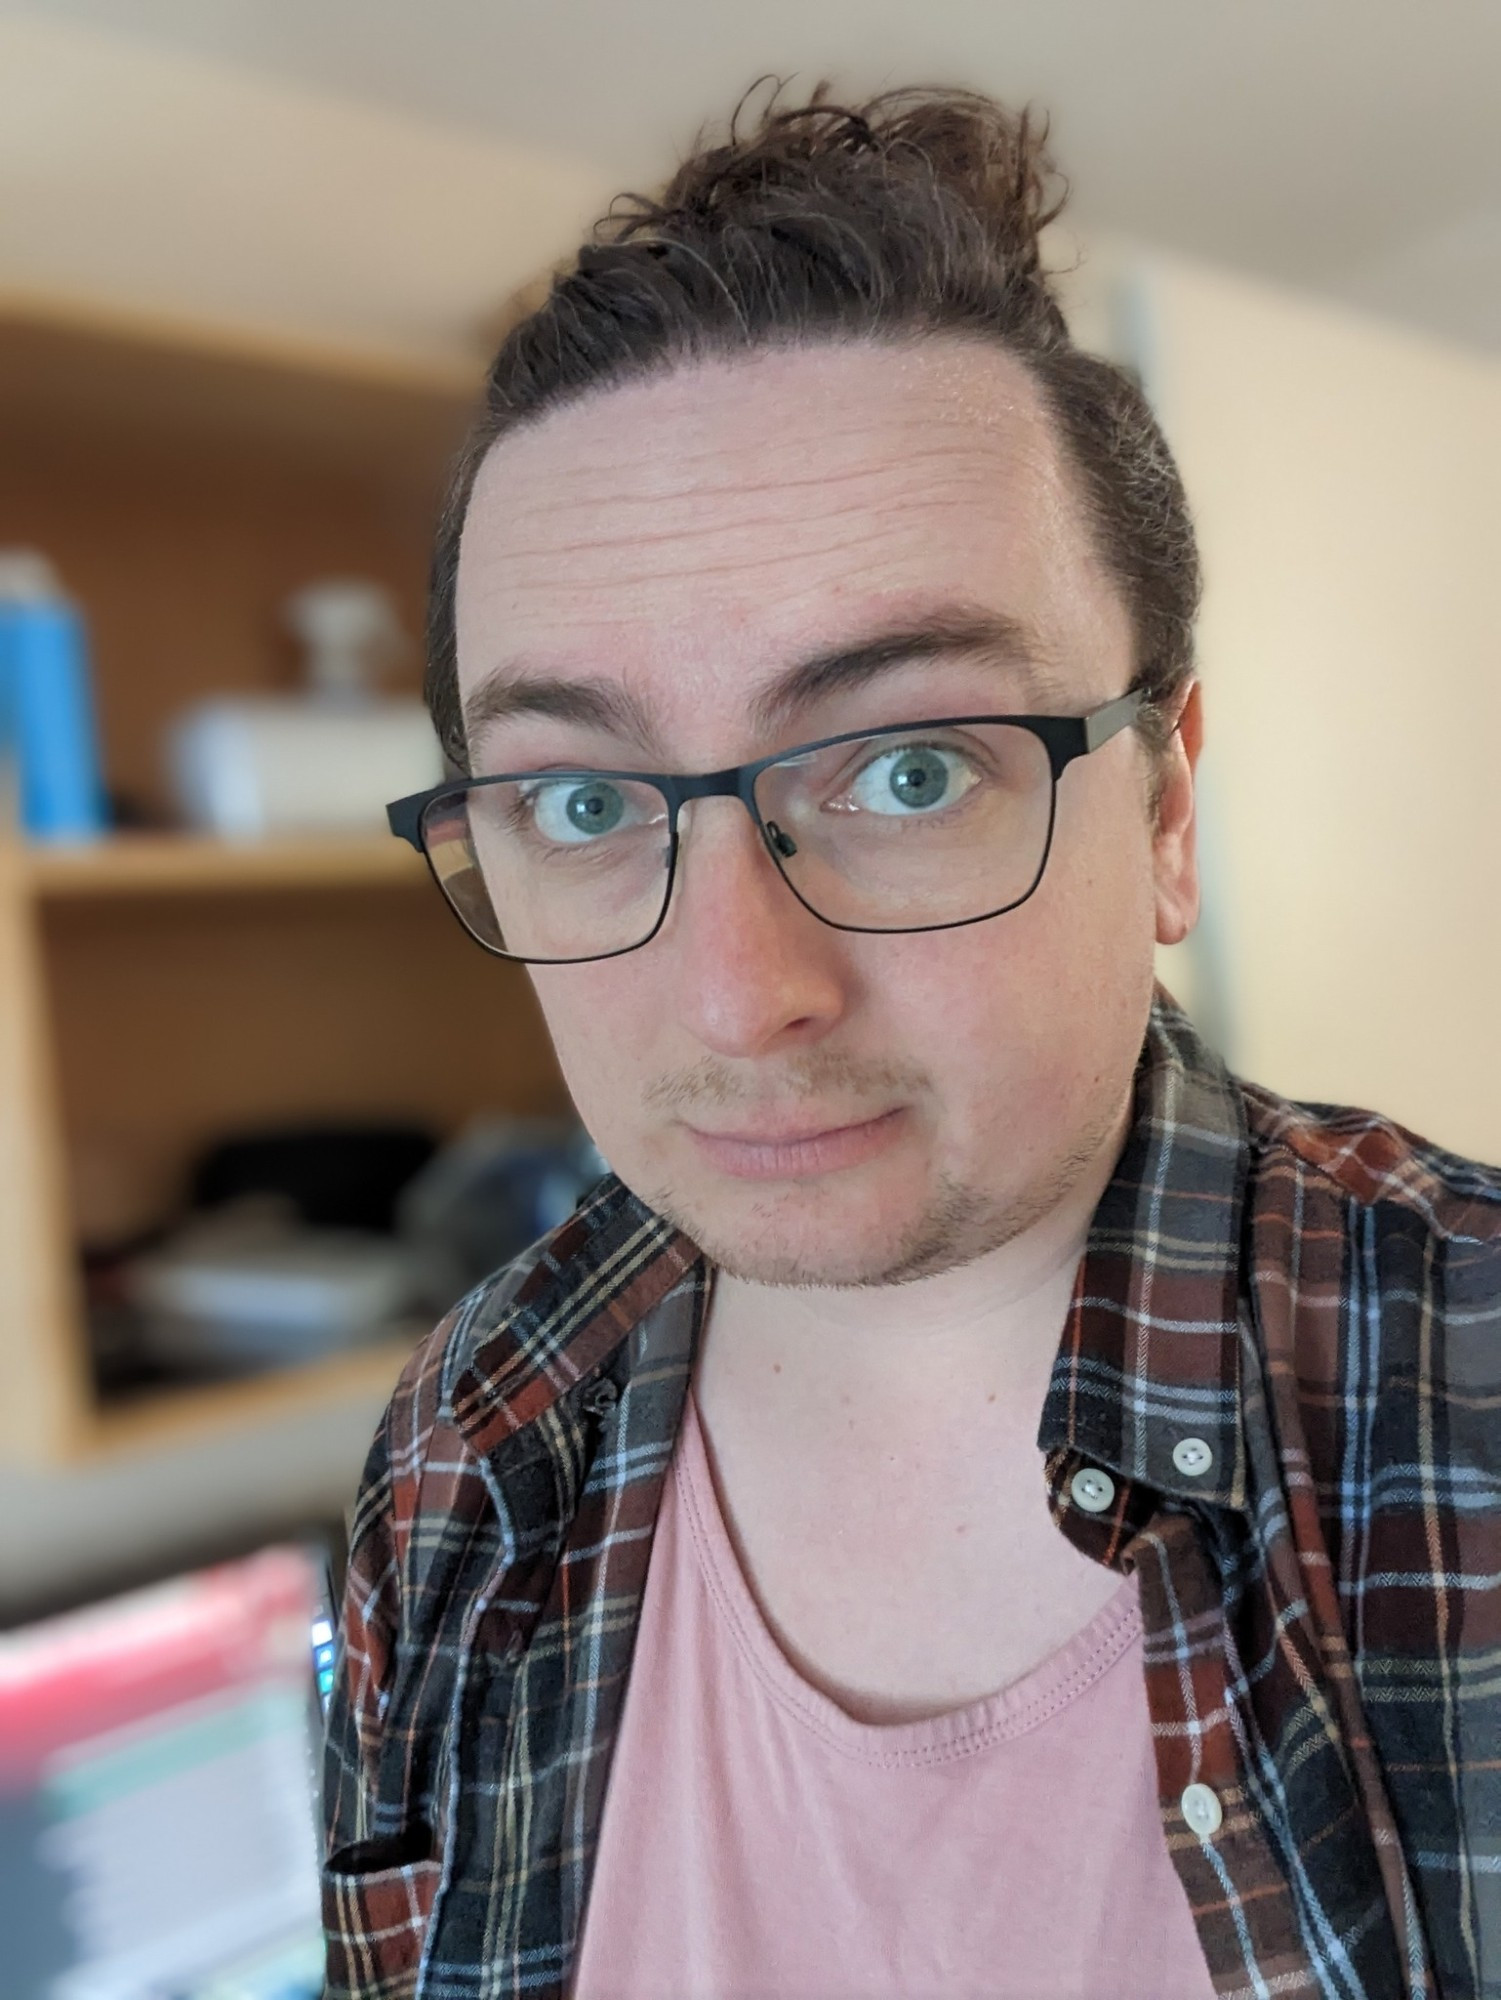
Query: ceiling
point(1346, 147)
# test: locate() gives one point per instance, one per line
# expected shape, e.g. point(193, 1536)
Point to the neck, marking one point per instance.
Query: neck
point(956, 1326)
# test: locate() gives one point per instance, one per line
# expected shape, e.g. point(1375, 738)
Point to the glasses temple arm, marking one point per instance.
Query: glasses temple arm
point(1113, 718)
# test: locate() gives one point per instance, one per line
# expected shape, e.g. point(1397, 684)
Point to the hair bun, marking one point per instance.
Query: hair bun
point(965, 150)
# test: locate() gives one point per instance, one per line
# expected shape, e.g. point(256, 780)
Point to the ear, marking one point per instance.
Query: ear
point(1175, 860)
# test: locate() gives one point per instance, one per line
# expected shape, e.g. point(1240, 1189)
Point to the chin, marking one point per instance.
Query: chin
point(801, 1241)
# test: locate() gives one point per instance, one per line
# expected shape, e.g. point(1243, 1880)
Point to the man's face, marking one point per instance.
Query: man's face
point(687, 542)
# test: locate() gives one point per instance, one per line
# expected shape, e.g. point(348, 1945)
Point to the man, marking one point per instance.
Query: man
point(982, 1502)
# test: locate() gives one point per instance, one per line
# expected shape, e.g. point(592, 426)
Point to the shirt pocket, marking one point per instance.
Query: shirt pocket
point(375, 1921)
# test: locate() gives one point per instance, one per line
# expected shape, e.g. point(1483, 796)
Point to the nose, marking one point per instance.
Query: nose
point(755, 972)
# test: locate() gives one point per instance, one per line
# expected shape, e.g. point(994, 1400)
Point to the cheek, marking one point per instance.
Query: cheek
point(976, 1010)
point(1098, 891)
point(1020, 1020)
point(604, 1022)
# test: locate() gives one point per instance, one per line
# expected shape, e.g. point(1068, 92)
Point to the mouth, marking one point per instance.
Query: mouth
point(794, 1152)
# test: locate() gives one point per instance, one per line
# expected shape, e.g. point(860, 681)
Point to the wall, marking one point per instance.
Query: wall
point(141, 177)
point(1346, 478)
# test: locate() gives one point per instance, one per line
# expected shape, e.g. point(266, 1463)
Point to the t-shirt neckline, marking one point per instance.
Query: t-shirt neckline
point(1024, 1704)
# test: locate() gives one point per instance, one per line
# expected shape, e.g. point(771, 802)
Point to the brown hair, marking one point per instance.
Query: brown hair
point(916, 214)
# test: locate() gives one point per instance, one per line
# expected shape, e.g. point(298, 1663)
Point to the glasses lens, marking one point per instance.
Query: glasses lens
point(911, 828)
point(562, 865)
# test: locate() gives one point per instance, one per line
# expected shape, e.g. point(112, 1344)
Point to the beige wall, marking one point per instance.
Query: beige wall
point(1346, 478)
point(142, 178)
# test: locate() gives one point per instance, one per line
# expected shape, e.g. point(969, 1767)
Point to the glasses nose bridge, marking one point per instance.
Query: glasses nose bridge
point(736, 782)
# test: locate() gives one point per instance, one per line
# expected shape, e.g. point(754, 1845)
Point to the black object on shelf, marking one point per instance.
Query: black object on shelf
point(333, 1176)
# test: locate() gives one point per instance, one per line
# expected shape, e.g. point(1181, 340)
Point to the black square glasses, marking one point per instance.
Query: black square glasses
point(919, 826)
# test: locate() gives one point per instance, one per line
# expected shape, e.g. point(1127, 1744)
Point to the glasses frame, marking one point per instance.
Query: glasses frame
point(1064, 737)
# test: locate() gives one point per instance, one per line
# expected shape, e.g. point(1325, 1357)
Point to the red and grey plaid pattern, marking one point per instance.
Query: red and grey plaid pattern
point(1285, 1351)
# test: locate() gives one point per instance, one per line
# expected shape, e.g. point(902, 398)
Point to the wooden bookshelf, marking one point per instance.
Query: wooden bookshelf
point(158, 990)
point(173, 1416)
point(67, 367)
point(156, 864)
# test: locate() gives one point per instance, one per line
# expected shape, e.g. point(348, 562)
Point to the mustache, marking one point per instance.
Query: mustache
point(843, 1078)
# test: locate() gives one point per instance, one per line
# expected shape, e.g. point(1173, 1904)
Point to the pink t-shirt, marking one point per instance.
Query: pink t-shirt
point(758, 1841)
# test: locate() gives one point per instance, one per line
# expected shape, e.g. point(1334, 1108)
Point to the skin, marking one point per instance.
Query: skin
point(687, 540)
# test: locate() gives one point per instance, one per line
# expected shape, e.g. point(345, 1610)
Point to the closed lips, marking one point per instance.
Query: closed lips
point(790, 1135)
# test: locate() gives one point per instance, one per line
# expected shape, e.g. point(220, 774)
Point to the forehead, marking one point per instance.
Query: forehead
point(691, 533)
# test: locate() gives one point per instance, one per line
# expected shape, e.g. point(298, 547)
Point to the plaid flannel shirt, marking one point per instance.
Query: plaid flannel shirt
point(1311, 1292)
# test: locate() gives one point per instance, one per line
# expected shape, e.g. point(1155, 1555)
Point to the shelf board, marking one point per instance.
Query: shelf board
point(185, 1416)
point(167, 864)
point(68, 370)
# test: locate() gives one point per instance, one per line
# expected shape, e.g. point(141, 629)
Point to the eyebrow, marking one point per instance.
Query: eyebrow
point(958, 633)
point(593, 703)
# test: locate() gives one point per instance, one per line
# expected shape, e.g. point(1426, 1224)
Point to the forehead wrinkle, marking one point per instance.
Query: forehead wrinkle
point(925, 472)
point(929, 451)
point(689, 439)
point(847, 489)
point(867, 531)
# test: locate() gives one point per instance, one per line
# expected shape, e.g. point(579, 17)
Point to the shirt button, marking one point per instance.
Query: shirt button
point(1202, 1811)
point(1192, 1457)
point(1092, 1489)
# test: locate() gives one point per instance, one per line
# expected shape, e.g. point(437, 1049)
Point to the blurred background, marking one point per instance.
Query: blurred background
point(253, 257)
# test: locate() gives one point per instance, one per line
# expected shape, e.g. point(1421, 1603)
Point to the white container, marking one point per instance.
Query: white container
point(328, 761)
point(247, 767)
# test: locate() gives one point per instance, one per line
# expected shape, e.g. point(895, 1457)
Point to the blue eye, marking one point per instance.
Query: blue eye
point(913, 778)
point(573, 813)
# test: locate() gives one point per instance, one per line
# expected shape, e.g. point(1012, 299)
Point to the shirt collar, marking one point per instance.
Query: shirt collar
point(1150, 1359)
point(606, 1290)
